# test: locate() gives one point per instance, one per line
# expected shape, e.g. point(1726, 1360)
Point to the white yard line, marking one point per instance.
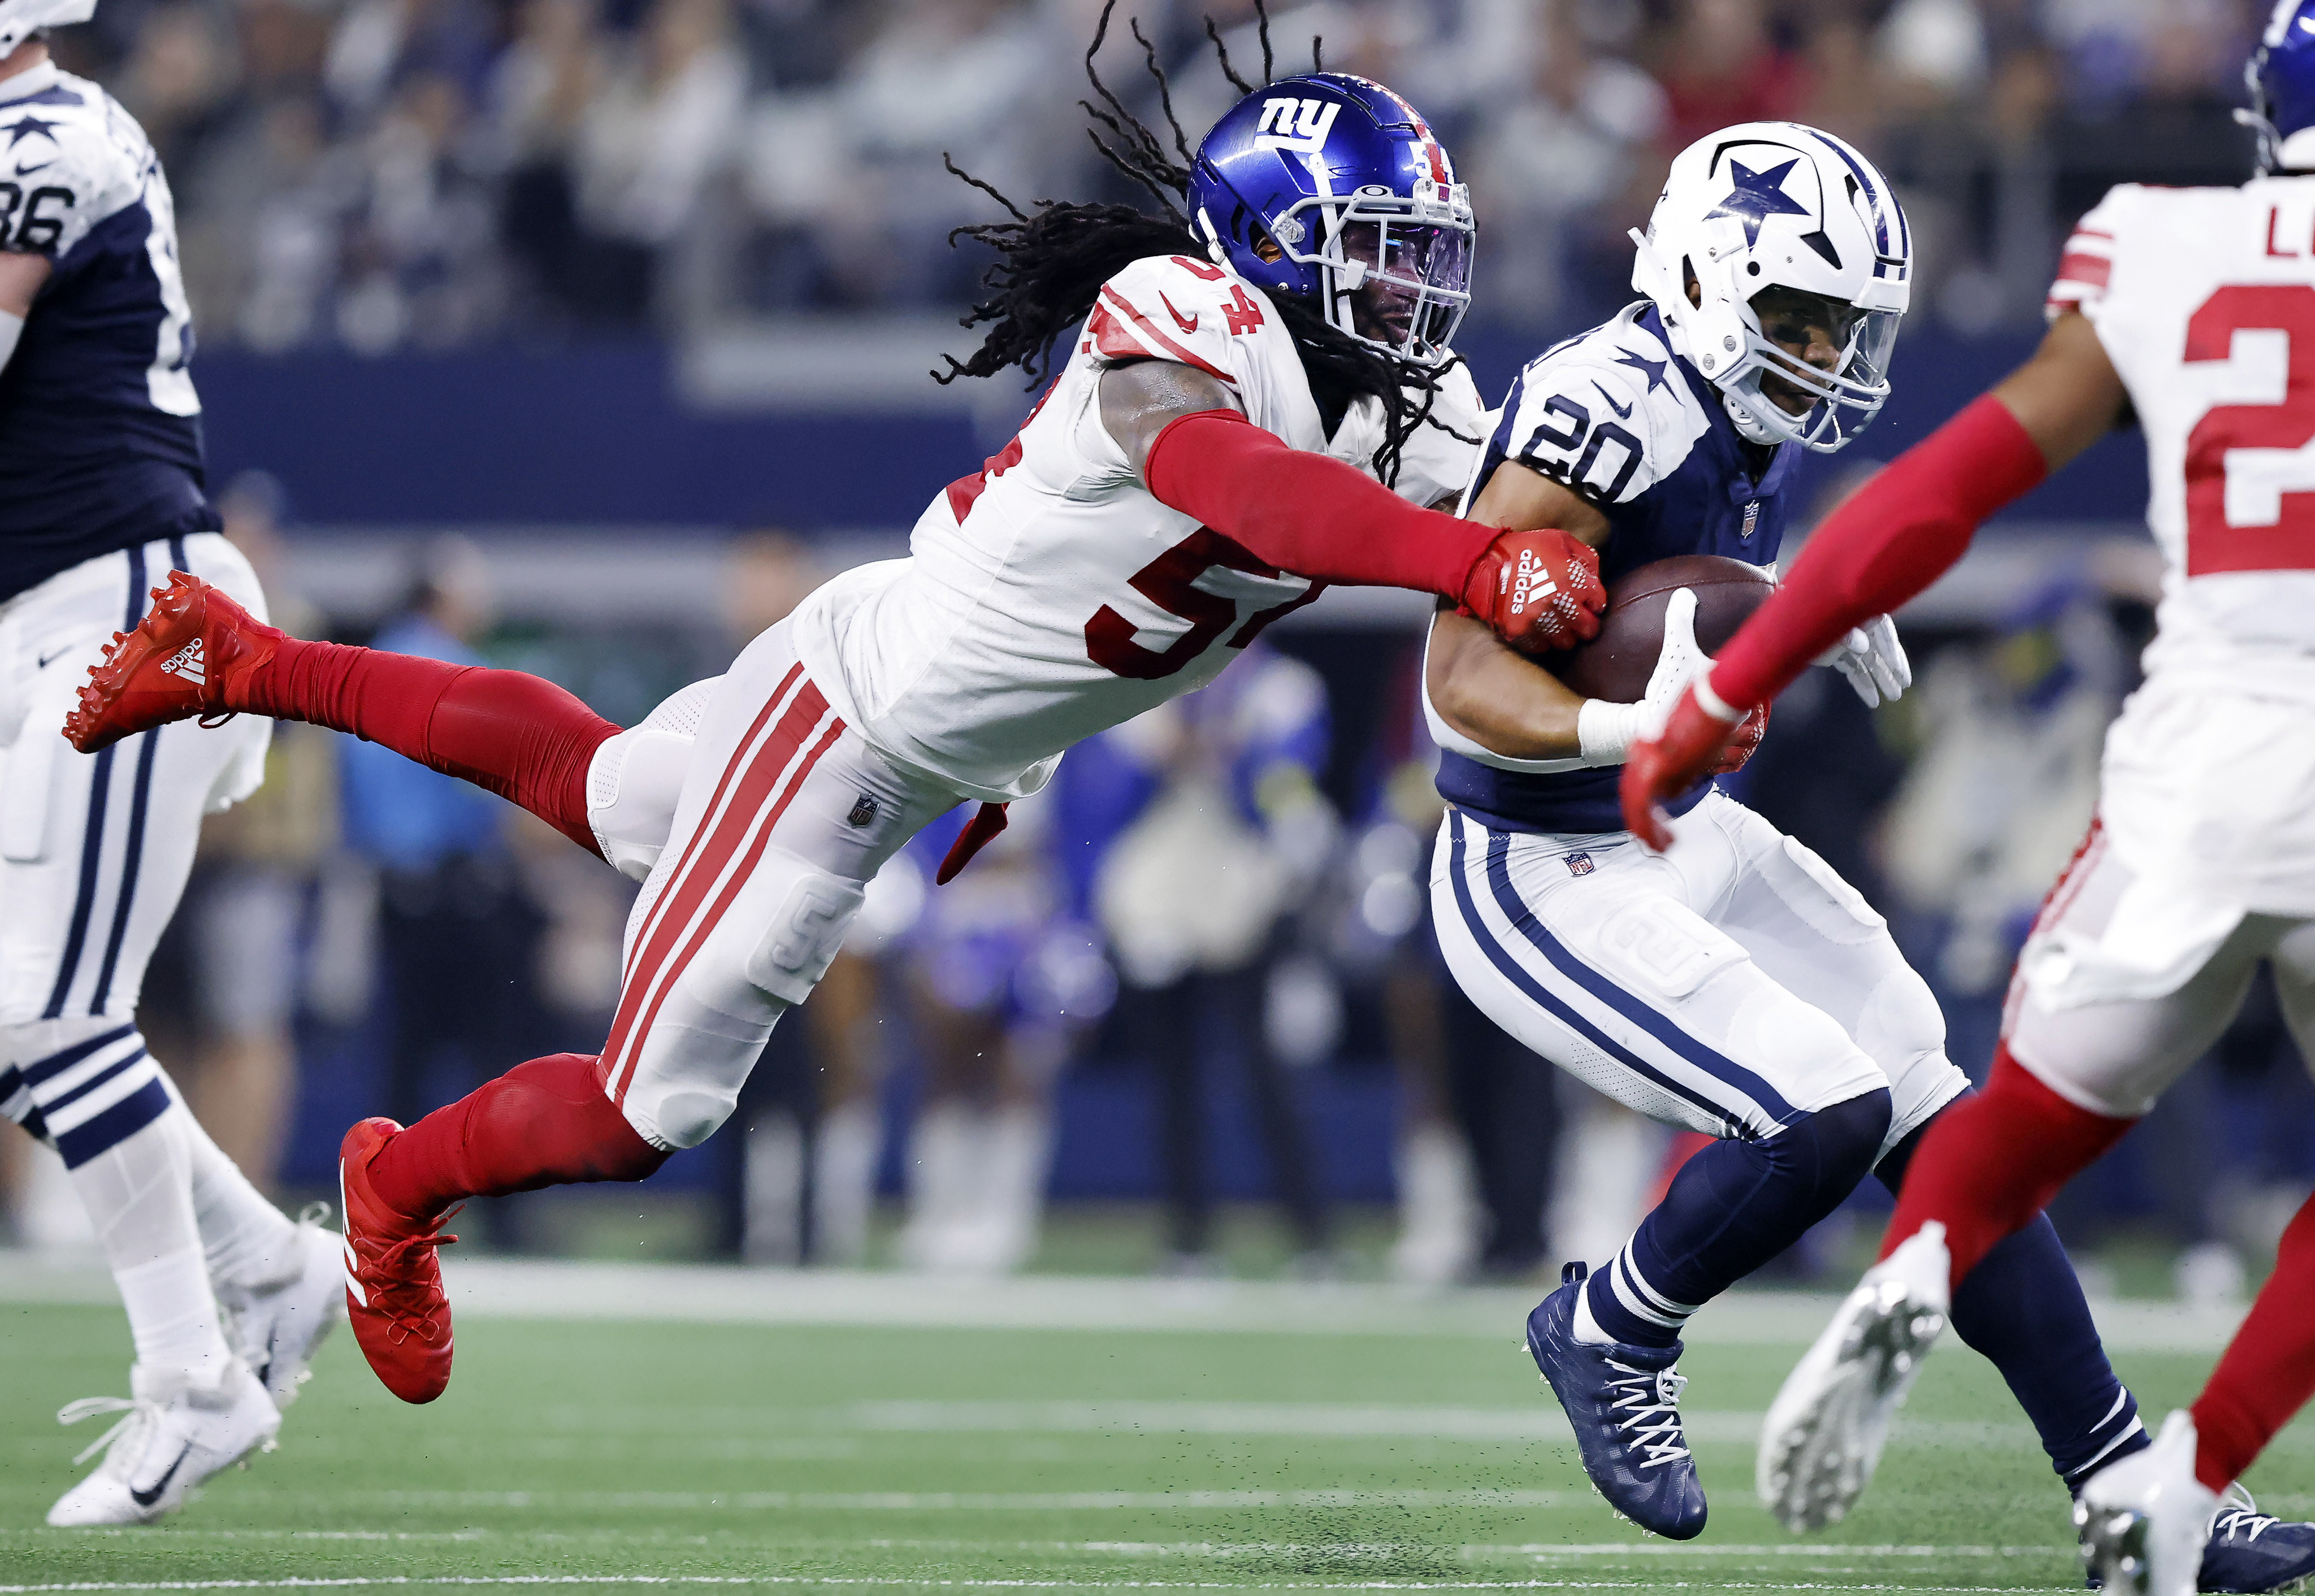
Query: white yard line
point(904, 1583)
point(939, 1501)
point(504, 1288)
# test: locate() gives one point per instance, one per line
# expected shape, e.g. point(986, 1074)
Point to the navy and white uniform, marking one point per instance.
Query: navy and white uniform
point(1736, 983)
point(101, 496)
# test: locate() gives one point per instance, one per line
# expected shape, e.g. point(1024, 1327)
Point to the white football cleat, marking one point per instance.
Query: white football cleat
point(277, 1325)
point(175, 1435)
point(1829, 1422)
point(2145, 1520)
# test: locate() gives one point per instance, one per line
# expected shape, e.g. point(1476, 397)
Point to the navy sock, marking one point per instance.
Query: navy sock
point(1731, 1208)
point(2023, 1310)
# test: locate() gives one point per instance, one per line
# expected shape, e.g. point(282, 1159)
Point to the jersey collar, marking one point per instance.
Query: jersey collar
point(28, 84)
point(1716, 415)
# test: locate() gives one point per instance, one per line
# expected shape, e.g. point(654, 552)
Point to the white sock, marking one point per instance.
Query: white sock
point(1587, 1328)
point(138, 1195)
point(248, 1243)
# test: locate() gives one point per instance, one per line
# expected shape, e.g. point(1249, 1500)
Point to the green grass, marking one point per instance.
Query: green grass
point(846, 1458)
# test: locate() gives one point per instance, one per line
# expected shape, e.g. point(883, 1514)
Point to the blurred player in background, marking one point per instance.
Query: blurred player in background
point(1258, 397)
point(2193, 312)
point(100, 493)
point(1737, 987)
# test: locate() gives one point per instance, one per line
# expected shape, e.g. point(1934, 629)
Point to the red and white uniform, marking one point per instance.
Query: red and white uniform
point(2203, 859)
point(1050, 595)
point(1045, 598)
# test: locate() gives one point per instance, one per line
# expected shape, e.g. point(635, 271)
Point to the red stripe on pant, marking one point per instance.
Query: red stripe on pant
point(709, 819)
point(707, 921)
point(662, 951)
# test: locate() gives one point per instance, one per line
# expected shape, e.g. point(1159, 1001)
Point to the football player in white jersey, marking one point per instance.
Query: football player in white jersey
point(1739, 988)
point(1257, 397)
point(2191, 311)
point(100, 492)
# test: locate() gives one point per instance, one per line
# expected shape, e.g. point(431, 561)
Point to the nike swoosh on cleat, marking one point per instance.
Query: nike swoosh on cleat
point(148, 1498)
point(1623, 412)
point(1187, 323)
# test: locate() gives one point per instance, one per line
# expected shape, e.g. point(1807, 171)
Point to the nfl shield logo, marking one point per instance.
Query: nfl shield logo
point(1752, 520)
point(1579, 864)
point(862, 811)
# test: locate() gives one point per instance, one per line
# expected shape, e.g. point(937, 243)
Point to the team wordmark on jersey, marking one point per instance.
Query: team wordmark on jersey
point(1300, 125)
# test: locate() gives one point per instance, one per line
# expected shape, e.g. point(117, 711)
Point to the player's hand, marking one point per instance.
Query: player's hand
point(1743, 742)
point(1604, 731)
point(1539, 591)
point(1692, 746)
point(1873, 660)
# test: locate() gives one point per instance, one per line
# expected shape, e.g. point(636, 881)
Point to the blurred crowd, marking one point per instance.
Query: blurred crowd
point(382, 174)
point(1205, 950)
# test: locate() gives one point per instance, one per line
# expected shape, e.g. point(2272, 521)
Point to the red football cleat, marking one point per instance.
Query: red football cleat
point(172, 667)
point(394, 1280)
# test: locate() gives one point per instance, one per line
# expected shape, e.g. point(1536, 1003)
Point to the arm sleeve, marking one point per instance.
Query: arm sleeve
point(1888, 543)
point(1305, 513)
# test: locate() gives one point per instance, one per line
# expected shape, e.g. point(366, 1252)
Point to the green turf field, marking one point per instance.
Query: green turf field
point(812, 1456)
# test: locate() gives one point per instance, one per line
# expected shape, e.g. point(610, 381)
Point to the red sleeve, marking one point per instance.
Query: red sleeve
point(1306, 513)
point(1888, 542)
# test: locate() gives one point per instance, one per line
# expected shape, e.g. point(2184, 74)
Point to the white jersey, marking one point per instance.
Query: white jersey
point(1050, 596)
point(2204, 301)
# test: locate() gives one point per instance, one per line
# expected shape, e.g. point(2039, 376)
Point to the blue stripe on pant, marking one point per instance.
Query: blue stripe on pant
point(94, 1093)
point(1759, 1098)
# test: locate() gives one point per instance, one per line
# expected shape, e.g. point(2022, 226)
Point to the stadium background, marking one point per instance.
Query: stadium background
point(601, 326)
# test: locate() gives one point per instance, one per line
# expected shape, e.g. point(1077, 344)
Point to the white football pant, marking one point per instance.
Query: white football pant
point(1725, 987)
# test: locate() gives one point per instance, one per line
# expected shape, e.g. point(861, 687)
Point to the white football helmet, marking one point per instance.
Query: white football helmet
point(1765, 205)
point(20, 18)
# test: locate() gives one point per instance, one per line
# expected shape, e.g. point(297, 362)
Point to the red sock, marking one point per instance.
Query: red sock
point(2269, 1371)
point(544, 1123)
point(519, 736)
point(1988, 1166)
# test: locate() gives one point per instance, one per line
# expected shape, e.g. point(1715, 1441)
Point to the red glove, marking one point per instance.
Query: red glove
point(1693, 745)
point(1539, 591)
point(1743, 742)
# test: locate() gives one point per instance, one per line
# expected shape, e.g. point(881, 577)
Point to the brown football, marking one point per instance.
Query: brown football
point(1616, 665)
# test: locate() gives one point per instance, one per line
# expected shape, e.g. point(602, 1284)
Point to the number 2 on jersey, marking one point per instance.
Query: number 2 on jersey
point(2288, 544)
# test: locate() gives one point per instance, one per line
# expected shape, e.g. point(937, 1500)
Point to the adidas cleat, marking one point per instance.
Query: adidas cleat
point(1623, 1403)
point(1831, 1419)
point(278, 1326)
point(393, 1277)
point(174, 1434)
point(173, 666)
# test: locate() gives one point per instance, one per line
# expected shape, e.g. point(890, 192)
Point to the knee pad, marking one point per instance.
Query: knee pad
point(86, 1082)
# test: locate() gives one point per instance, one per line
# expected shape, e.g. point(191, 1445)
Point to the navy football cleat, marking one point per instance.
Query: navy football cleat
point(2252, 1551)
point(1624, 1404)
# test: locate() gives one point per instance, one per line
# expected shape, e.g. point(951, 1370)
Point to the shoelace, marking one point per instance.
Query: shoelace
point(127, 1428)
point(1649, 1401)
point(389, 1276)
point(2242, 1514)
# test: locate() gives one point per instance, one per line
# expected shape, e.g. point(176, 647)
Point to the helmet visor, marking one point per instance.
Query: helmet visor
point(1822, 363)
point(1398, 271)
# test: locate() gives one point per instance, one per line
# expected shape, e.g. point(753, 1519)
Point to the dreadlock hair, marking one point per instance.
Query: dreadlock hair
point(1051, 264)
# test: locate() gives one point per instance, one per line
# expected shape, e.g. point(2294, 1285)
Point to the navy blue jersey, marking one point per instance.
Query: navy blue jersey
point(1620, 420)
point(100, 429)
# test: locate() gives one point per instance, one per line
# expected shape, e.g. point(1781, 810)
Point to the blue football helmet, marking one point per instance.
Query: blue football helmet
point(2281, 74)
point(1330, 189)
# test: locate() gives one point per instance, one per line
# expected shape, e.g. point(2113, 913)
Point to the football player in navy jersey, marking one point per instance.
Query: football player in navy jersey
point(101, 496)
point(1736, 986)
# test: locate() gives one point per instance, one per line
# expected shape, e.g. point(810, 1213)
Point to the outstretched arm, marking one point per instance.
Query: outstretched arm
point(1885, 545)
point(1319, 517)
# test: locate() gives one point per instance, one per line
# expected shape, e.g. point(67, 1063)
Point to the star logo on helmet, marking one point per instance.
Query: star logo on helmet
point(1757, 197)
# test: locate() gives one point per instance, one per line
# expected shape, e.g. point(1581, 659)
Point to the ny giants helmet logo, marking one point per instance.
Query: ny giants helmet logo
point(1530, 583)
point(1298, 125)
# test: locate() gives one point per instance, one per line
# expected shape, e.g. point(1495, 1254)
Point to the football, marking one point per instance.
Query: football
point(1616, 665)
